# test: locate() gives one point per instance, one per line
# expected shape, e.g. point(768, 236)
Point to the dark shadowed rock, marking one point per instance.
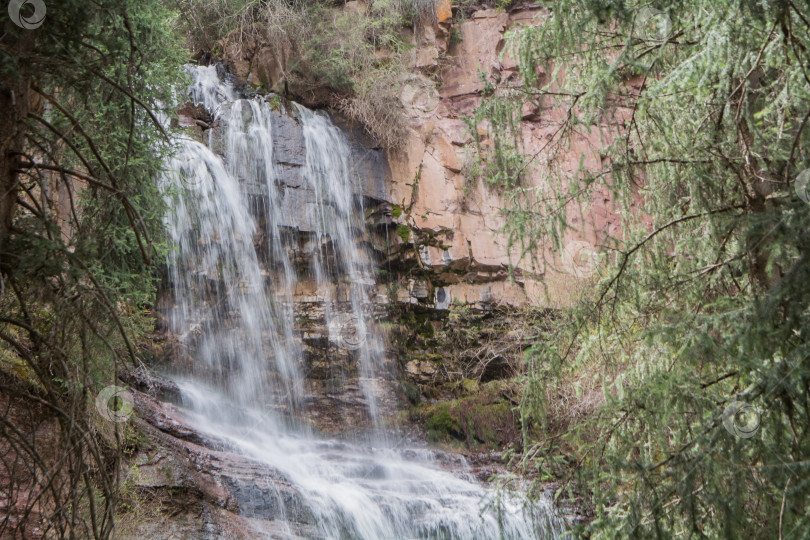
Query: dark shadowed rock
point(370, 170)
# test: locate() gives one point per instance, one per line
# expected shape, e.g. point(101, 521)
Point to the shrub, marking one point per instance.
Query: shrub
point(354, 59)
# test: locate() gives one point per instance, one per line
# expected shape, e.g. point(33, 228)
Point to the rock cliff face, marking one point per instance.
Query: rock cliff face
point(463, 215)
point(450, 224)
point(443, 283)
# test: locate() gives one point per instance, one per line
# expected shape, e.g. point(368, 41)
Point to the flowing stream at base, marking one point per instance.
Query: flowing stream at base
point(233, 280)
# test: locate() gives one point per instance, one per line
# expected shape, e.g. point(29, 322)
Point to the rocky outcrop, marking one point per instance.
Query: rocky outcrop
point(207, 491)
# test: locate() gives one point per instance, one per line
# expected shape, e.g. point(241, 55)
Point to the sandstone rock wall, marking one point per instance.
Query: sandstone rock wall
point(469, 255)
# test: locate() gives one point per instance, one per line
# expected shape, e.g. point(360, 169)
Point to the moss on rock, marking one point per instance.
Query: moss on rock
point(404, 232)
point(485, 420)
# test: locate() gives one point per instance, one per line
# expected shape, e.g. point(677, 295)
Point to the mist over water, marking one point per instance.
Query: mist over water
point(234, 281)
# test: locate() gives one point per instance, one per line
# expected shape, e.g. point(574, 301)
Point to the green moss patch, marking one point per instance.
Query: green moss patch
point(484, 421)
point(404, 232)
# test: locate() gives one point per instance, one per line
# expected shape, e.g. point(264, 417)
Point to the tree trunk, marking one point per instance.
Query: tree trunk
point(15, 102)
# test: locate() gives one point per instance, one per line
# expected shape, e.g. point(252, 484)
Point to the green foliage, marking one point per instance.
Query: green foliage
point(336, 49)
point(77, 262)
point(350, 60)
point(418, 9)
point(455, 37)
point(97, 145)
point(482, 420)
point(274, 103)
point(404, 232)
point(204, 22)
point(341, 51)
point(440, 424)
point(703, 298)
point(495, 128)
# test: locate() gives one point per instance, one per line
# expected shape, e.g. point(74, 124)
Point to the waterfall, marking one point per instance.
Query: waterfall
point(235, 263)
point(340, 220)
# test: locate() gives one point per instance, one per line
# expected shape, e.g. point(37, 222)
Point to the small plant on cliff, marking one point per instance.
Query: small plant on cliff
point(404, 232)
point(440, 425)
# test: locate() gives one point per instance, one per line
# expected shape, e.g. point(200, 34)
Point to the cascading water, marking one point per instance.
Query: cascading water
point(340, 224)
point(228, 226)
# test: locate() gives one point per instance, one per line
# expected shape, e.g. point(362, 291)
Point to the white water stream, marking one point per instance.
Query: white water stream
point(247, 376)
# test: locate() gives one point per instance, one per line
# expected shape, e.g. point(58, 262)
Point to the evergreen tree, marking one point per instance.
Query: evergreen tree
point(696, 334)
point(80, 222)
